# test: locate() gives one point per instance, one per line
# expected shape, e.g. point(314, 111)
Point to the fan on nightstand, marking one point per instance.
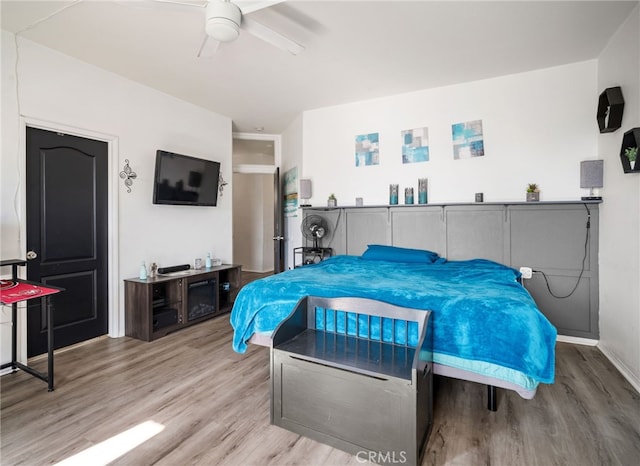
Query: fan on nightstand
point(314, 227)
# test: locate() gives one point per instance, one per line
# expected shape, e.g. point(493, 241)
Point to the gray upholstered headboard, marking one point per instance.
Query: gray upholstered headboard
point(547, 236)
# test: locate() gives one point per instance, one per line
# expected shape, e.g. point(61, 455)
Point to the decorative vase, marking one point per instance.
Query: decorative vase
point(422, 190)
point(332, 202)
point(408, 195)
point(632, 164)
point(393, 194)
point(533, 197)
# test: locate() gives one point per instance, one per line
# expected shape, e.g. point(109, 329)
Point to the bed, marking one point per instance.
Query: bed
point(487, 327)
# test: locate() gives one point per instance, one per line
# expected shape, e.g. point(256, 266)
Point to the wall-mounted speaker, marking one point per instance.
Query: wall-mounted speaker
point(591, 177)
point(305, 193)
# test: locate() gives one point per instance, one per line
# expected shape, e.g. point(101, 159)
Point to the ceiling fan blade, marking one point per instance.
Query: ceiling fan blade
point(208, 47)
point(269, 35)
point(198, 4)
point(249, 6)
point(174, 5)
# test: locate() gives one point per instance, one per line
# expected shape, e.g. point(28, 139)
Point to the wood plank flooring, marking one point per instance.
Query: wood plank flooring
point(214, 406)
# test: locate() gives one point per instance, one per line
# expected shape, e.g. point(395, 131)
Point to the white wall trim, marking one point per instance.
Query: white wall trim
point(577, 340)
point(116, 322)
point(626, 373)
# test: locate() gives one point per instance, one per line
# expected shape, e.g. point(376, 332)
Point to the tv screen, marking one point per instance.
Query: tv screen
point(184, 180)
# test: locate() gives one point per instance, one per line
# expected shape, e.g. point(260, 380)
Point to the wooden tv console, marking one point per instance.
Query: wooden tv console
point(160, 305)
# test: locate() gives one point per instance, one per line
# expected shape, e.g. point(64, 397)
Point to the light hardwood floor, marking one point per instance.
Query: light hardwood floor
point(214, 406)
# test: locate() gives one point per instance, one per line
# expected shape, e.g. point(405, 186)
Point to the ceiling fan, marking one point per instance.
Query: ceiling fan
point(224, 19)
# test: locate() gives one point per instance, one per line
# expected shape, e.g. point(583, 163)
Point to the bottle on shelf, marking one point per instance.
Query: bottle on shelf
point(143, 271)
point(207, 261)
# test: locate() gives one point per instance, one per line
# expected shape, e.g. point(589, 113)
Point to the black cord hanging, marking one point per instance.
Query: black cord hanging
point(584, 258)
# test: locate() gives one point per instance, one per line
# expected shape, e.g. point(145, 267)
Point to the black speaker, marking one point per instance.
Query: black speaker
point(174, 268)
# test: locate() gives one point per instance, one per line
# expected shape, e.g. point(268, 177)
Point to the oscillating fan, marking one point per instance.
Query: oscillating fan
point(313, 228)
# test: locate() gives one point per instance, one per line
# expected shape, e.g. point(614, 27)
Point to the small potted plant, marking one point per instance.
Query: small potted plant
point(632, 154)
point(332, 201)
point(533, 192)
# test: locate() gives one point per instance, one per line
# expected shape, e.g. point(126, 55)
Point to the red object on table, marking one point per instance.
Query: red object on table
point(14, 291)
point(11, 293)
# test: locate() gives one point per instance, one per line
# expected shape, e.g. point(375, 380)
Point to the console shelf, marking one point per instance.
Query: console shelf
point(163, 304)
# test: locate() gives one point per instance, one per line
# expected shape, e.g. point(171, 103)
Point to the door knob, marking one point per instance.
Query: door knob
point(32, 255)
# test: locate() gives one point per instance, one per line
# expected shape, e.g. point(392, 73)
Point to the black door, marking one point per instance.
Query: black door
point(278, 224)
point(67, 236)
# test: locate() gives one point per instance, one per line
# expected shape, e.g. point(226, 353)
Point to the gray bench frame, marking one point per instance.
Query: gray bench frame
point(370, 398)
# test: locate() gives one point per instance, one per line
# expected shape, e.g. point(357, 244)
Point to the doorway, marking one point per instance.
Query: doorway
point(67, 226)
point(253, 199)
point(257, 231)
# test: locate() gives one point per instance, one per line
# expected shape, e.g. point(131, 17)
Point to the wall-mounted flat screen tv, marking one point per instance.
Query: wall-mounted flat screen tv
point(184, 180)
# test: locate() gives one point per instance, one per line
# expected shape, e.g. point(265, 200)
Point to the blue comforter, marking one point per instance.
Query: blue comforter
point(483, 319)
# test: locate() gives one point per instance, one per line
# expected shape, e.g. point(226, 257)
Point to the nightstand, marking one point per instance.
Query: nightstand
point(309, 255)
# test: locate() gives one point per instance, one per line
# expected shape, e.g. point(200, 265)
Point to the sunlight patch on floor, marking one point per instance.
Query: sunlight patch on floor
point(105, 452)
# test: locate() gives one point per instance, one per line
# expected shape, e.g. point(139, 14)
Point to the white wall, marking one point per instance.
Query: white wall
point(537, 127)
point(292, 157)
point(619, 65)
point(65, 92)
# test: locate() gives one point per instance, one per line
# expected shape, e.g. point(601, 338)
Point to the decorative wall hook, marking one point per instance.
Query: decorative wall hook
point(221, 183)
point(128, 175)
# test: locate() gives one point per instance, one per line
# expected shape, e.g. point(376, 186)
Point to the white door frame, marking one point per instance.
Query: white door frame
point(116, 323)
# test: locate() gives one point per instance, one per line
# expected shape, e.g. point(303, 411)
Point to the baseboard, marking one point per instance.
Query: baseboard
point(577, 340)
point(624, 370)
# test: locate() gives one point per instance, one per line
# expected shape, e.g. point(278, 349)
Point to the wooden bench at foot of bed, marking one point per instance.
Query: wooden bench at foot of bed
point(362, 390)
point(492, 383)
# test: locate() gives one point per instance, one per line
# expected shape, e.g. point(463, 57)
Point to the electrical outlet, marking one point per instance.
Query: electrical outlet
point(526, 272)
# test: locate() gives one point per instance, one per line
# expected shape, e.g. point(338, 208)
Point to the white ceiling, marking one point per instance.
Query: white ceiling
point(355, 50)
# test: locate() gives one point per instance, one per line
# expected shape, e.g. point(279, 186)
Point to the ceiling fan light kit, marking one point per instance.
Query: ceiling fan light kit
point(223, 21)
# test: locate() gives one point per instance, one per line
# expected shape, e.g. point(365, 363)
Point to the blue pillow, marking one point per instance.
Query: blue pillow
point(379, 252)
